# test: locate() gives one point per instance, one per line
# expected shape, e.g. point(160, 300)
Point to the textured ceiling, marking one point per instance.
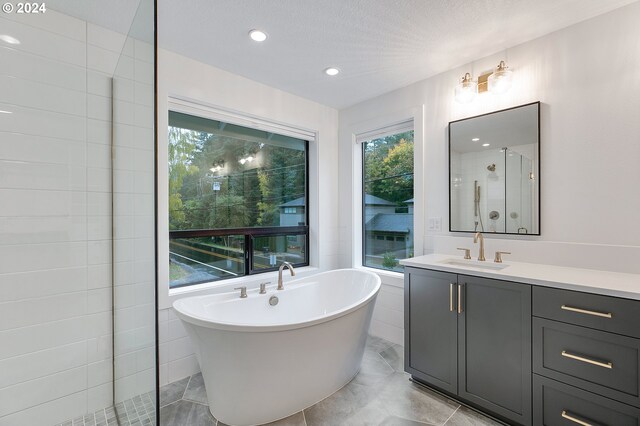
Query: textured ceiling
point(114, 14)
point(380, 45)
point(134, 17)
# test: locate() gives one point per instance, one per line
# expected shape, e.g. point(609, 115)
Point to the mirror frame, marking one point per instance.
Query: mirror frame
point(538, 103)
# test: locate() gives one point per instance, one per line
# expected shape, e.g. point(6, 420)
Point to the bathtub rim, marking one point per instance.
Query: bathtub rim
point(196, 320)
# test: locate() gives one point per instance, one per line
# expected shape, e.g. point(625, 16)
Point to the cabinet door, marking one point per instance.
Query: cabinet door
point(431, 327)
point(494, 347)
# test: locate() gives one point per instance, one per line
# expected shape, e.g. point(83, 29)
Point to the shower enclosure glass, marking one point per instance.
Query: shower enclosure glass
point(133, 160)
point(77, 261)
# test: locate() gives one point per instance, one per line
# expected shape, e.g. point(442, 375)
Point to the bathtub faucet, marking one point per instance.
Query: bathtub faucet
point(284, 265)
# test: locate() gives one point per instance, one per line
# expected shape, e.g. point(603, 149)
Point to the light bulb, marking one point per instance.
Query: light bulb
point(332, 71)
point(466, 90)
point(500, 80)
point(242, 161)
point(250, 158)
point(257, 35)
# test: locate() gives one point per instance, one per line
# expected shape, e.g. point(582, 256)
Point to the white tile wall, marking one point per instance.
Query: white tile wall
point(55, 219)
point(177, 358)
point(388, 315)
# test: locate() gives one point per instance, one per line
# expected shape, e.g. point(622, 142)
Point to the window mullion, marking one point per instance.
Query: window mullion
point(248, 254)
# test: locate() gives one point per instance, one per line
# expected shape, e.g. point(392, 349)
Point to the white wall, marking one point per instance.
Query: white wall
point(182, 77)
point(586, 77)
point(55, 219)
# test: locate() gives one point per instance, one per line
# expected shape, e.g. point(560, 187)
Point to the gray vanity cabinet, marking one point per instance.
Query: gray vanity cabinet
point(471, 337)
point(431, 341)
point(494, 346)
point(525, 354)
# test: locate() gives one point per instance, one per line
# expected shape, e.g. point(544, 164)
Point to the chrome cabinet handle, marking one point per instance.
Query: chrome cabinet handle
point(451, 308)
point(587, 312)
point(569, 417)
point(587, 360)
point(460, 298)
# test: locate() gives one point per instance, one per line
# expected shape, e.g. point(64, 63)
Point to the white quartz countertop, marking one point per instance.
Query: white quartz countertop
point(587, 280)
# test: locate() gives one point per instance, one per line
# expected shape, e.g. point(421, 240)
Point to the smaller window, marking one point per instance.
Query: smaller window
point(290, 210)
point(387, 191)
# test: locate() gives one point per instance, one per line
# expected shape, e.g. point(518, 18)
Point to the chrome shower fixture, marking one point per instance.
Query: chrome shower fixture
point(491, 167)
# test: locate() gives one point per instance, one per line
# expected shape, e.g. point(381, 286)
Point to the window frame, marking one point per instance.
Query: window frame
point(407, 126)
point(189, 107)
point(359, 131)
point(250, 233)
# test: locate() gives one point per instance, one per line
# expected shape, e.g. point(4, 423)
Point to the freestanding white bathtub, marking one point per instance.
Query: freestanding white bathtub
point(261, 363)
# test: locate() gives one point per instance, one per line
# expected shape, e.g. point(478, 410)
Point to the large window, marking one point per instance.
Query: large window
point(387, 200)
point(237, 200)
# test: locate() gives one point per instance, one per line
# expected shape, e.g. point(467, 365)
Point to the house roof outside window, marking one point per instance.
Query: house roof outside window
point(298, 202)
point(390, 222)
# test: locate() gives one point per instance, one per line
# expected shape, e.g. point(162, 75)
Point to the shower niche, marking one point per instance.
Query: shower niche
point(494, 163)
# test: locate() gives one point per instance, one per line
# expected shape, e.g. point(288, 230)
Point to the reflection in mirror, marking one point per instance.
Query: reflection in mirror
point(493, 171)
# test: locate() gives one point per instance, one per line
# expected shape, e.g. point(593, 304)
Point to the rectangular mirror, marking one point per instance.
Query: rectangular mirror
point(494, 162)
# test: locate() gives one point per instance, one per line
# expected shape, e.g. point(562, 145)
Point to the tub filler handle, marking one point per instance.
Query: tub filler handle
point(263, 288)
point(243, 291)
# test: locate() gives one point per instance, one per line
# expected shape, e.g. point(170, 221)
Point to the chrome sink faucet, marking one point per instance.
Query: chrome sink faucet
point(284, 265)
point(480, 237)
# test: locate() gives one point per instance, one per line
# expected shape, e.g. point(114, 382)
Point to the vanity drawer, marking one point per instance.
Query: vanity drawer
point(600, 362)
point(606, 313)
point(558, 404)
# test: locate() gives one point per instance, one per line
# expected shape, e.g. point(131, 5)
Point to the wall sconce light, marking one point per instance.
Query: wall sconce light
point(497, 82)
point(500, 80)
point(466, 90)
point(217, 166)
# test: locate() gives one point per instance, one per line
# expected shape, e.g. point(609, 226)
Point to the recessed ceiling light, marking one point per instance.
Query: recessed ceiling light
point(485, 144)
point(475, 139)
point(257, 35)
point(9, 39)
point(332, 71)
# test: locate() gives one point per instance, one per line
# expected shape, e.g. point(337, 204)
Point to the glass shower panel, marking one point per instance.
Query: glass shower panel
point(134, 267)
point(520, 203)
point(477, 186)
point(76, 227)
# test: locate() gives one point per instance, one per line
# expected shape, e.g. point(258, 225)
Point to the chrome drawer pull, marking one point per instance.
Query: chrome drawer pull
point(584, 311)
point(587, 360)
point(573, 419)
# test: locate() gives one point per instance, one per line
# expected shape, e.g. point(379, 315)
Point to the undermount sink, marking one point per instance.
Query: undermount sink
point(491, 266)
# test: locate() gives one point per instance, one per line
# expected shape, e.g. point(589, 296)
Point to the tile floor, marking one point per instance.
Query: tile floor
point(137, 411)
point(381, 394)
